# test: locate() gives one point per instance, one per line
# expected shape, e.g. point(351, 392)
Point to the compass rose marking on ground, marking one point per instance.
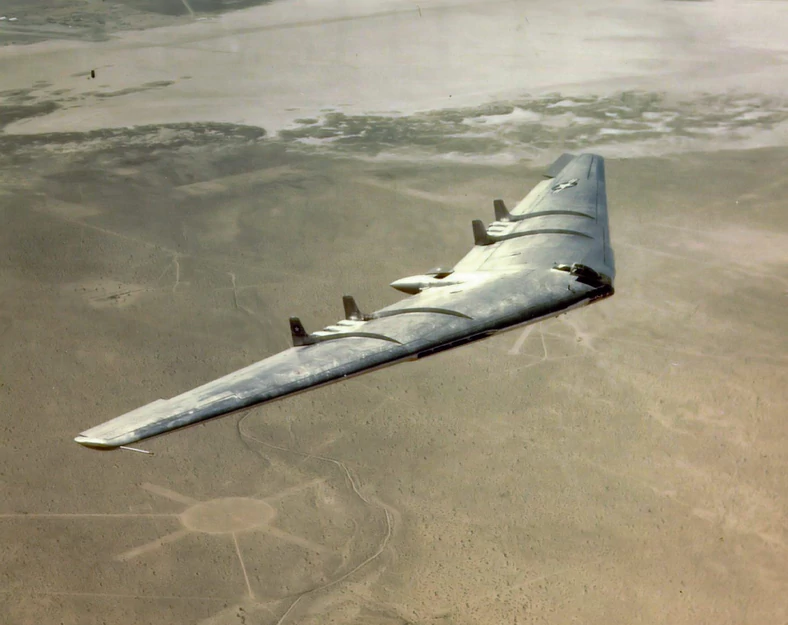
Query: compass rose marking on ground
point(294, 489)
point(296, 540)
point(154, 544)
point(169, 494)
point(225, 515)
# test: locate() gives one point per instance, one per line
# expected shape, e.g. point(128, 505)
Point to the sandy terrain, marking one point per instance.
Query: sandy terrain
point(624, 463)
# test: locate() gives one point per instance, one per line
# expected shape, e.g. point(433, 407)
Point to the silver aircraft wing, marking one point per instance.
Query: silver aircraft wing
point(549, 254)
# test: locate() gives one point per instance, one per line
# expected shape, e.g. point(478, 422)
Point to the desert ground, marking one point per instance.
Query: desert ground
point(624, 463)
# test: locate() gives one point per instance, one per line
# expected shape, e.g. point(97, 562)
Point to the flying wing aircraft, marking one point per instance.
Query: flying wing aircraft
point(550, 254)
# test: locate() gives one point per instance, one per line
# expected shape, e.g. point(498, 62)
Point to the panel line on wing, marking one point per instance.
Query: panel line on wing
point(515, 235)
point(551, 212)
point(319, 337)
point(421, 309)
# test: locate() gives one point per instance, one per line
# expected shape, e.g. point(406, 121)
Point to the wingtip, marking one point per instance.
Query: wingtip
point(94, 443)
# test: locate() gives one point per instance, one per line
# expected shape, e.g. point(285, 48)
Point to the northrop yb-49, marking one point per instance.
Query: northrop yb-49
point(550, 254)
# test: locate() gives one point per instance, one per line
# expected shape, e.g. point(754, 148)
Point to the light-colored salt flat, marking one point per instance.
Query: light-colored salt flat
point(271, 64)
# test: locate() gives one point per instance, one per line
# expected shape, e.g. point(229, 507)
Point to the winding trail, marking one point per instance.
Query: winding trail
point(372, 502)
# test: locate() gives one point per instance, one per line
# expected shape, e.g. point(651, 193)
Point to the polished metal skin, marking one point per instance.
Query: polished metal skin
point(550, 254)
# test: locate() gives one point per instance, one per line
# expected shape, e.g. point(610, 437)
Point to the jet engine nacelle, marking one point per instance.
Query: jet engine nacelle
point(415, 284)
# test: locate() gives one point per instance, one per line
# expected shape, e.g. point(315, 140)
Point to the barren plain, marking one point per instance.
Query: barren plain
point(624, 463)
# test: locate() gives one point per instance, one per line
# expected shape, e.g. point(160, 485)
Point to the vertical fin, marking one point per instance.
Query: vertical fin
point(480, 236)
point(352, 311)
point(501, 212)
point(297, 332)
